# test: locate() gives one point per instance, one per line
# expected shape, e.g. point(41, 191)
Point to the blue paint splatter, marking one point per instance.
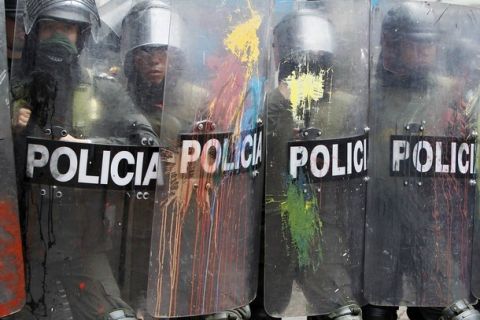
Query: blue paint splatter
point(253, 103)
point(375, 3)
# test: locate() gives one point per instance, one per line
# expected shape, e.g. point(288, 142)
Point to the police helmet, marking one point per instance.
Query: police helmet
point(415, 22)
point(303, 35)
point(82, 12)
point(147, 24)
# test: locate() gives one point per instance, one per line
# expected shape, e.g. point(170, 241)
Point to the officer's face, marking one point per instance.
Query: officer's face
point(48, 28)
point(151, 64)
point(418, 54)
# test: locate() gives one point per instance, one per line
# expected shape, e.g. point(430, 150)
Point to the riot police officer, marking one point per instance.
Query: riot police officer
point(144, 46)
point(145, 55)
point(329, 278)
point(68, 230)
point(413, 98)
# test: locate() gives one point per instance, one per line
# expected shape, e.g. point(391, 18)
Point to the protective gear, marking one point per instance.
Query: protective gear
point(297, 47)
point(294, 34)
point(82, 12)
point(416, 221)
point(348, 312)
point(146, 25)
point(409, 25)
point(15, 33)
point(75, 242)
point(145, 33)
point(56, 55)
point(461, 309)
point(12, 282)
point(313, 221)
point(200, 213)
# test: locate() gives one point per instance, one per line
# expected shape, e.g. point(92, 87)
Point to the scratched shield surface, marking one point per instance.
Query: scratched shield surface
point(12, 284)
point(205, 243)
point(476, 241)
point(424, 89)
point(316, 157)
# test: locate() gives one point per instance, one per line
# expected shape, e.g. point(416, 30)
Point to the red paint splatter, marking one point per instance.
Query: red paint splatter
point(228, 90)
point(11, 260)
point(219, 259)
point(82, 285)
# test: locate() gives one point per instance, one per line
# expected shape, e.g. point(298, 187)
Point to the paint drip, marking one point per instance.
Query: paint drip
point(301, 217)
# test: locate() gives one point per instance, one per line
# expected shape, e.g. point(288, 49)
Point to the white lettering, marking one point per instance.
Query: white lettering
point(358, 161)
point(423, 167)
point(319, 173)
point(152, 172)
point(336, 170)
point(122, 155)
point(246, 161)
point(463, 165)
point(295, 161)
point(208, 165)
point(439, 167)
point(33, 163)
point(401, 152)
point(72, 168)
point(191, 150)
point(83, 177)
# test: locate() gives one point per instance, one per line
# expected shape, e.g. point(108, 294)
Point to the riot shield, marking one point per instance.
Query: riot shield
point(88, 159)
point(424, 93)
point(206, 219)
point(14, 34)
point(12, 284)
point(473, 97)
point(316, 158)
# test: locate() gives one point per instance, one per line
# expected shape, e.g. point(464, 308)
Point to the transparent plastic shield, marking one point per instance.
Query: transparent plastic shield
point(206, 224)
point(112, 12)
point(88, 162)
point(424, 93)
point(16, 31)
point(12, 284)
point(316, 157)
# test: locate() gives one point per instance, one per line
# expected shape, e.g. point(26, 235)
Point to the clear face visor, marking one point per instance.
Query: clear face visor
point(75, 13)
point(148, 29)
point(407, 54)
point(418, 53)
point(150, 63)
point(301, 33)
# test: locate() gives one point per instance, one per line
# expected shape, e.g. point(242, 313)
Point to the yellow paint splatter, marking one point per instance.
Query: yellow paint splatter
point(244, 43)
point(305, 88)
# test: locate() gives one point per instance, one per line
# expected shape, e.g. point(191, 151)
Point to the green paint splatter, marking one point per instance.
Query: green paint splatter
point(302, 218)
